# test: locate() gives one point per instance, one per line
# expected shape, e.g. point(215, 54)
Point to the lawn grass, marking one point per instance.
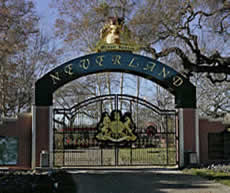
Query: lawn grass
point(217, 176)
point(148, 156)
point(126, 156)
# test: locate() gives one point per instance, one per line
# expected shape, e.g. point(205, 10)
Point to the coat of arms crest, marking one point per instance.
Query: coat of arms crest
point(116, 128)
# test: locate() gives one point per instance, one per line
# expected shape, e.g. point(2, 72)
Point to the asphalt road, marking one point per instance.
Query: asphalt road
point(143, 181)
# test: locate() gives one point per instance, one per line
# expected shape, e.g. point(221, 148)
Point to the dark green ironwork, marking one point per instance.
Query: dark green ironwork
point(76, 130)
point(165, 76)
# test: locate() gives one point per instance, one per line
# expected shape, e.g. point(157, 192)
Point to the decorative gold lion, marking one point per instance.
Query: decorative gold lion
point(115, 32)
point(116, 36)
point(110, 33)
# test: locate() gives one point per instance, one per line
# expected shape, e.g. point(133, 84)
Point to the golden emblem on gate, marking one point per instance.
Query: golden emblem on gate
point(115, 127)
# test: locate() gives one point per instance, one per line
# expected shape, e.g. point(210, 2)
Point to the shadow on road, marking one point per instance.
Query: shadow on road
point(136, 182)
point(108, 181)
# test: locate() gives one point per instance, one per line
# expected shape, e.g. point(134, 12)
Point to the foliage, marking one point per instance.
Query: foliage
point(18, 23)
point(24, 55)
point(219, 94)
point(182, 29)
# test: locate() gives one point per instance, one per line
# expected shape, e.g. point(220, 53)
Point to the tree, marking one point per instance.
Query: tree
point(194, 33)
point(213, 100)
point(84, 88)
point(24, 55)
point(17, 26)
point(179, 26)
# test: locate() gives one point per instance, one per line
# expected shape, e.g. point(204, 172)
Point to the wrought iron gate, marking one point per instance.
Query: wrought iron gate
point(114, 130)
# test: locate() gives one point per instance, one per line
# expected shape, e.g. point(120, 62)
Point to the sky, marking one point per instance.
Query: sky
point(47, 21)
point(46, 14)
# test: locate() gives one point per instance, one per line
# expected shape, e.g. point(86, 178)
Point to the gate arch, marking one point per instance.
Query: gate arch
point(165, 76)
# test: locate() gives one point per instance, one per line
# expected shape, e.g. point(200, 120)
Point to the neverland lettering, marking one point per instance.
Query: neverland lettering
point(116, 61)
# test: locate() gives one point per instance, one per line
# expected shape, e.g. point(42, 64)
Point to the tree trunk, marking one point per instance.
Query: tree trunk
point(137, 94)
point(98, 93)
point(108, 82)
point(121, 87)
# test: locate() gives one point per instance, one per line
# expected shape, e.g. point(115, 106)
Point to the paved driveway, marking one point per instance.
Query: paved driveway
point(143, 181)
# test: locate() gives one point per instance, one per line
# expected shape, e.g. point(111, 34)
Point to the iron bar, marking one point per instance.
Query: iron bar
point(148, 149)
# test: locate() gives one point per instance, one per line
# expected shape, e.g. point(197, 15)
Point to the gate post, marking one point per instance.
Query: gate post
point(181, 138)
point(51, 138)
point(33, 158)
point(191, 136)
point(42, 135)
point(197, 136)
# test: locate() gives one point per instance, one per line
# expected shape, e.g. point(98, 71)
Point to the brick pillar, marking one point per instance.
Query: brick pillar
point(42, 128)
point(181, 138)
point(191, 133)
point(189, 130)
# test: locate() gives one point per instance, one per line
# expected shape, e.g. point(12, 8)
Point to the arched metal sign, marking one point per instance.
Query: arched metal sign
point(165, 76)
